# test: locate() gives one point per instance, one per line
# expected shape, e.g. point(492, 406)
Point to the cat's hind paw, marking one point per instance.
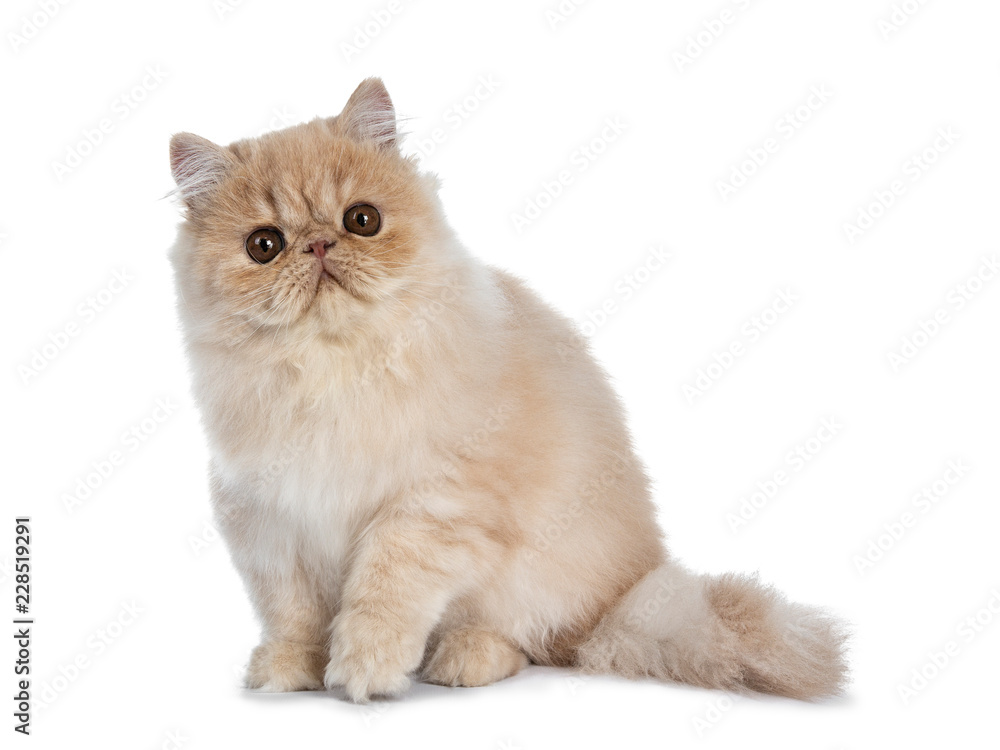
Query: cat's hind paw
point(470, 657)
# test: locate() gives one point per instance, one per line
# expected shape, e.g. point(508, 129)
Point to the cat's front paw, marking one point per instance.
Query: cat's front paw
point(368, 659)
point(286, 666)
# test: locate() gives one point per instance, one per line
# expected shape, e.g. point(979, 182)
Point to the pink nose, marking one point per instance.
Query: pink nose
point(319, 247)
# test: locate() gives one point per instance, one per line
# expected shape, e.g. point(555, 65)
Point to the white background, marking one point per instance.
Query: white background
point(225, 73)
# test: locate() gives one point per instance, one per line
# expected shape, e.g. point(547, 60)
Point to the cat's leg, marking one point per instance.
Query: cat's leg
point(471, 657)
point(404, 574)
point(281, 666)
point(293, 650)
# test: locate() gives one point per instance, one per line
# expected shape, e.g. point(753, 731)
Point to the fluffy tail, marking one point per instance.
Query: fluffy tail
point(726, 632)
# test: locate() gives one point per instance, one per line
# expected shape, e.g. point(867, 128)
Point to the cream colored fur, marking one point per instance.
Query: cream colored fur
point(418, 469)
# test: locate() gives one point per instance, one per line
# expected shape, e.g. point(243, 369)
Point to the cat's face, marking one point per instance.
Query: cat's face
point(319, 224)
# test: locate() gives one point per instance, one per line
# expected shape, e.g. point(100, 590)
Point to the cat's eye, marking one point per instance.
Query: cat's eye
point(362, 219)
point(263, 245)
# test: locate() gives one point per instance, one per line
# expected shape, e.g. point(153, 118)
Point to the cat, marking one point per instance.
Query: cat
point(418, 467)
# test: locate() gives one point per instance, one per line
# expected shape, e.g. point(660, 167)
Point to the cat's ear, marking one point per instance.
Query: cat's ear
point(198, 165)
point(369, 115)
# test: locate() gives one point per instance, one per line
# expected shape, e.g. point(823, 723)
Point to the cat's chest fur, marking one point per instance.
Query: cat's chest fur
point(315, 440)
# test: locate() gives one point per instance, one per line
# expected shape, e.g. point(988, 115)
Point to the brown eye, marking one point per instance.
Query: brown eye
point(362, 219)
point(263, 245)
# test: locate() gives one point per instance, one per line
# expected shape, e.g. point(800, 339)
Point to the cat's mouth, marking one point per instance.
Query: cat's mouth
point(329, 271)
point(331, 274)
point(335, 276)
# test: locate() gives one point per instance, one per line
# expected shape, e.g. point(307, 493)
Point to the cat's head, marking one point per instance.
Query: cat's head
point(314, 228)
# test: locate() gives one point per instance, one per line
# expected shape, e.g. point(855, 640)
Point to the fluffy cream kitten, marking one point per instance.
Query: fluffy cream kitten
point(418, 468)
